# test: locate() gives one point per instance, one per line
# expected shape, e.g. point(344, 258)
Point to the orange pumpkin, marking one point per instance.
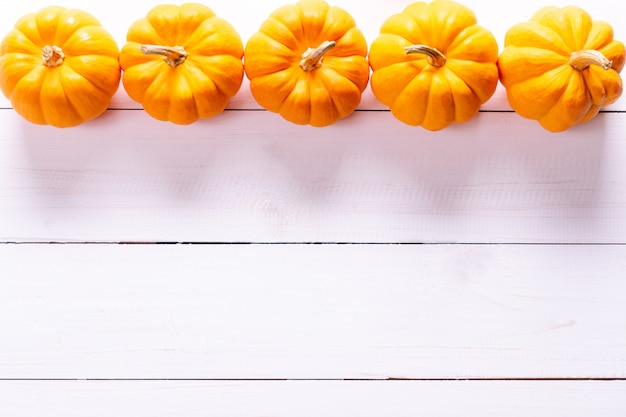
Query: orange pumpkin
point(561, 67)
point(308, 63)
point(182, 63)
point(433, 65)
point(59, 67)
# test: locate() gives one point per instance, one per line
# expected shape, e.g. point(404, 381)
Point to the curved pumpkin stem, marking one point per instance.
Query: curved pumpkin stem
point(173, 55)
point(433, 55)
point(52, 56)
point(312, 57)
point(582, 59)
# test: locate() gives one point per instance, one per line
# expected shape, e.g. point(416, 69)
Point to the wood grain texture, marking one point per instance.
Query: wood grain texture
point(312, 311)
point(306, 398)
point(497, 179)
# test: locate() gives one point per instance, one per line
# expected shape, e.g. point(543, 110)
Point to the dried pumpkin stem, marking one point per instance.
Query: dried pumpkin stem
point(173, 55)
point(52, 56)
point(312, 57)
point(433, 55)
point(582, 59)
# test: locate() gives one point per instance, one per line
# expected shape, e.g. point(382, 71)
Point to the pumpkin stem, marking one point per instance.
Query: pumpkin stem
point(173, 55)
point(52, 56)
point(582, 59)
point(312, 57)
point(434, 57)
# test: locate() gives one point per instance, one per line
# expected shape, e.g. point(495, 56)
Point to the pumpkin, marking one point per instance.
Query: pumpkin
point(308, 63)
point(561, 67)
point(182, 63)
point(433, 65)
point(59, 67)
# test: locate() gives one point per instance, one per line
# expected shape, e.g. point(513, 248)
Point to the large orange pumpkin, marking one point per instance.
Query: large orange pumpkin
point(561, 67)
point(59, 67)
point(308, 63)
point(433, 65)
point(182, 63)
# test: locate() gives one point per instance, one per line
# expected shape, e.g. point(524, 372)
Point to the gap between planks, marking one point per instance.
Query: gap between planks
point(315, 379)
point(302, 243)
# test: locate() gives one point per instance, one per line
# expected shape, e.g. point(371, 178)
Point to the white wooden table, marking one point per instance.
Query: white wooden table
point(245, 266)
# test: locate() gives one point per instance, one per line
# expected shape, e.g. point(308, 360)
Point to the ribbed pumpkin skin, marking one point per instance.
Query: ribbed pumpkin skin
point(320, 96)
point(202, 84)
point(540, 82)
point(72, 85)
point(424, 92)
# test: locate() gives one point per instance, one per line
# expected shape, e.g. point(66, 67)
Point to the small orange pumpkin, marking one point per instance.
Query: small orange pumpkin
point(308, 63)
point(182, 63)
point(561, 67)
point(433, 65)
point(59, 67)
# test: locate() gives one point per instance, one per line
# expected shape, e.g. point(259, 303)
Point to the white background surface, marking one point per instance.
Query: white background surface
point(366, 268)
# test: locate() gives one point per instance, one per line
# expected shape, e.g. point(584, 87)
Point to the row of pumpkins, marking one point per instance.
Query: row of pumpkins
point(432, 65)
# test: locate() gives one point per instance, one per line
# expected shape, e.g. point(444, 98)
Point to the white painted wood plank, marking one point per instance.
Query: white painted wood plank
point(497, 17)
point(314, 398)
point(312, 311)
point(367, 179)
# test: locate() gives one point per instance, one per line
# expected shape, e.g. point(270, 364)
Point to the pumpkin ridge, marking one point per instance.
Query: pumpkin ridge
point(349, 38)
point(456, 106)
point(553, 119)
point(331, 65)
point(48, 36)
point(181, 82)
point(600, 36)
point(97, 86)
point(333, 99)
point(154, 101)
point(580, 32)
point(284, 105)
point(324, 79)
point(450, 70)
point(72, 100)
point(203, 69)
point(69, 106)
point(534, 34)
point(455, 13)
point(186, 34)
point(35, 76)
point(283, 29)
point(459, 47)
point(278, 16)
point(208, 79)
point(78, 20)
point(449, 115)
point(195, 96)
point(344, 28)
point(17, 35)
point(484, 91)
point(28, 65)
point(312, 34)
point(160, 40)
point(407, 91)
point(426, 27)
point(299, 46)
point(590, 96)
point(284, 61)
point(88, 28)
point(195, 42)
point(20, 31)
